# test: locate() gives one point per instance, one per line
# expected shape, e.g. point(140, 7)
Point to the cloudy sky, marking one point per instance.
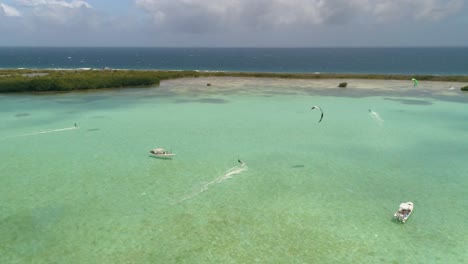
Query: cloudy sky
point(234, 23)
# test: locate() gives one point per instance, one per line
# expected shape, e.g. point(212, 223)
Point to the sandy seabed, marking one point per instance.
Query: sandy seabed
point(216, 84)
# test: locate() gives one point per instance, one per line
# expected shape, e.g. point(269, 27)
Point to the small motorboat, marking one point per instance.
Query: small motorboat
point(404, 212)
point(161, 153)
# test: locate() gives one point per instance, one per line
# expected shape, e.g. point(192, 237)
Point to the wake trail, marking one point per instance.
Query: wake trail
point(43, 132)
point(376, 117)
point(225, 176)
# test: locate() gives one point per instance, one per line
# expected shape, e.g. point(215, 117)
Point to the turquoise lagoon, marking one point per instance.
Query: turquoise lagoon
point(310, 192)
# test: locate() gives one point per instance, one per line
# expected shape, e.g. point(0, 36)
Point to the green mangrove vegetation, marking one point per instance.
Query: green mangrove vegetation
point(68, 80)
point(442, 78)
point(343, 85)
point(29, 80)
point(464, 88)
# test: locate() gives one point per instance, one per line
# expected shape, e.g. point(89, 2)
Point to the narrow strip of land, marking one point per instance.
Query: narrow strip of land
point(70, 80)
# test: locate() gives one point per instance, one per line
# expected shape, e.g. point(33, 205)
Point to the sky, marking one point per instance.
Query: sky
point(234, 23)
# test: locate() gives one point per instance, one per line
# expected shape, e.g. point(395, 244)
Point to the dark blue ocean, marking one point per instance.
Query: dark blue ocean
point(443, 61)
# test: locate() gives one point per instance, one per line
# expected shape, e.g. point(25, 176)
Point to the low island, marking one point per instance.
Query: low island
point(29, 80)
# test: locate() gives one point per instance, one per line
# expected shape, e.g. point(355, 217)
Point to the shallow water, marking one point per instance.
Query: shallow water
point(313, 192)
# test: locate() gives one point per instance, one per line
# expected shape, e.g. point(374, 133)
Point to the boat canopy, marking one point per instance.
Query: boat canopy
point(405, 206)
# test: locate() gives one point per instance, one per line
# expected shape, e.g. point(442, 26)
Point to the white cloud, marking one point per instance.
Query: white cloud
point(66, 23)
point(233, 22)
point(55, 11)
point(37, 3)
point(395, 10)
point(196, 16)
point(9, 10)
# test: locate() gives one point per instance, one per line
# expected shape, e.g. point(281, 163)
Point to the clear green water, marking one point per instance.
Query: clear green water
point(312, 193)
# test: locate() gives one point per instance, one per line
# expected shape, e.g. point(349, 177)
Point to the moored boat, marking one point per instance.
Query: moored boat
point(404, 212)
point(161, 153)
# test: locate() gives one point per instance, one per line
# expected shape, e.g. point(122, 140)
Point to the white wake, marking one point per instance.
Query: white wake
point(44, 132)
point(376, 117)
point(226, 175)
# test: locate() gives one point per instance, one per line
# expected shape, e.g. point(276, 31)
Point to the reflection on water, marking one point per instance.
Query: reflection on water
point(410, 101)
point(203, 100)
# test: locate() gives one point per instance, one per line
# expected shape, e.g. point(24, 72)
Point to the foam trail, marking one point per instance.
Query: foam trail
point(226, 175)
point(376, 117)
point(45, 132)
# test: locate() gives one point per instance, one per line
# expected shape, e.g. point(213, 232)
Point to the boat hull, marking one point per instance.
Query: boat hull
point(163, 156)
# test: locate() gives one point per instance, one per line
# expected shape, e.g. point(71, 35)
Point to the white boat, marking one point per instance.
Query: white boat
point(404, 212)
point(161, 153)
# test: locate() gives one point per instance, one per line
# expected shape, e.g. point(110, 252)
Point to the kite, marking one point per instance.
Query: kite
point(317, 107)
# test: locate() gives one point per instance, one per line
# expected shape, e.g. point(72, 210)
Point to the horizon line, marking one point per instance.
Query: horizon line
point(238, 47)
